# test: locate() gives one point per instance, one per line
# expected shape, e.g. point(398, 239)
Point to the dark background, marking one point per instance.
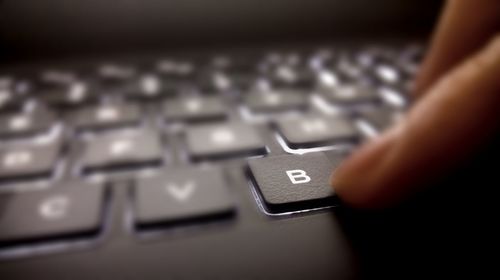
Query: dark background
point(31, 28)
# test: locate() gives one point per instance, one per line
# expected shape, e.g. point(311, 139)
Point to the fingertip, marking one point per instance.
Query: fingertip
point(354, 180)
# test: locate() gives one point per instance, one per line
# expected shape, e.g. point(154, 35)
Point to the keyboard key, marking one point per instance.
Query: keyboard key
point(243, 80)
point(380, 118)
point(223, 141)
point(107, 116)
point(387, 74)
point(122, 150)
point(52, 80)
point(350, 94)
point(25, 124)
point(236, 64)
point(293, 182)
point(68, 210)
point(176, 70)
point(112, 77)
point(74, 95)
point(195, 109)
point(206, 81)
point(287, 76)
point(150, 87)
point(182, 195)
point(348, 71)
point(276, 101)
point(9, 101)
point(23, 162)
point(314, 131)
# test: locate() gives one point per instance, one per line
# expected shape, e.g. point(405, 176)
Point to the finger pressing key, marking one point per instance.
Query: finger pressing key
point(454, 118)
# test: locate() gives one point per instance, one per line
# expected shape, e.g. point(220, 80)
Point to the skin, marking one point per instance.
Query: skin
point(457, 94)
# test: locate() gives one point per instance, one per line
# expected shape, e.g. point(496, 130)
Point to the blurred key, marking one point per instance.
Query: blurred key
point(237, 64)
point(151, 87)
point(276, 101)
point(9, 101)
point(314, 131)
point(113, 76)
point(293, 182)
point(25, 124)
point(180, 196)
point(195, 109)
point(223, 141)
point(69, 210)
point(387, 74)
point(243, 80)
point(120, 150)
point(107, 116)
point(293, 77)
point(206, 81)
point(347, 70)
point(380, 118)
point(350, 94)
point(76, 94)
point(23, 162)
point(175, 70)
point(53, 79)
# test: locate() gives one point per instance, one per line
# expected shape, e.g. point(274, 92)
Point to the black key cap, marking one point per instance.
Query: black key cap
point(223, 141)
point(113, 77)
point(380, 118)
point(182, 195)
point(387, 74)
point(314, 131)
point(107, 116)
point(26, 124)
point(24, 162)
point(276, 101)
point(53, 81)
point(293, 182)
point(75, 95)
point(206, 81)
point(122, 150)
point(286, 76)
point(176, 70)
point(243, 80)
point(350, 94)
point(150, 87)
point(348, 71)
point(244, 63)
point(9, 101)
point(195, 109)
point(69, 210)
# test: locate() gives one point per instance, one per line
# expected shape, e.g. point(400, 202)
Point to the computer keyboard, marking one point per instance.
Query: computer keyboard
point(170, 128)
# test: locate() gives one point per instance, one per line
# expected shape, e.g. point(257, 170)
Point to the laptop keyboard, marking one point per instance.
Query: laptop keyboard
point(170, 130)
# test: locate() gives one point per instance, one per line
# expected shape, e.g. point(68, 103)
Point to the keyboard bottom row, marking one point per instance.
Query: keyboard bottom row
point(281, 184)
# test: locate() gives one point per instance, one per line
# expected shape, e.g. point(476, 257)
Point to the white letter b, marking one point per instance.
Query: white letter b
point(298, 176)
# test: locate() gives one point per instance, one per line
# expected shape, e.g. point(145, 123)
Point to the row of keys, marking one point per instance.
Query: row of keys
point(79, 95)
point(132, 149)
point(188, 109)
point(64, 89)
point(168, 198)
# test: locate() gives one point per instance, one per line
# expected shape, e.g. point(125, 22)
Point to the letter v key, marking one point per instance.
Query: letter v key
point(181, 192)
